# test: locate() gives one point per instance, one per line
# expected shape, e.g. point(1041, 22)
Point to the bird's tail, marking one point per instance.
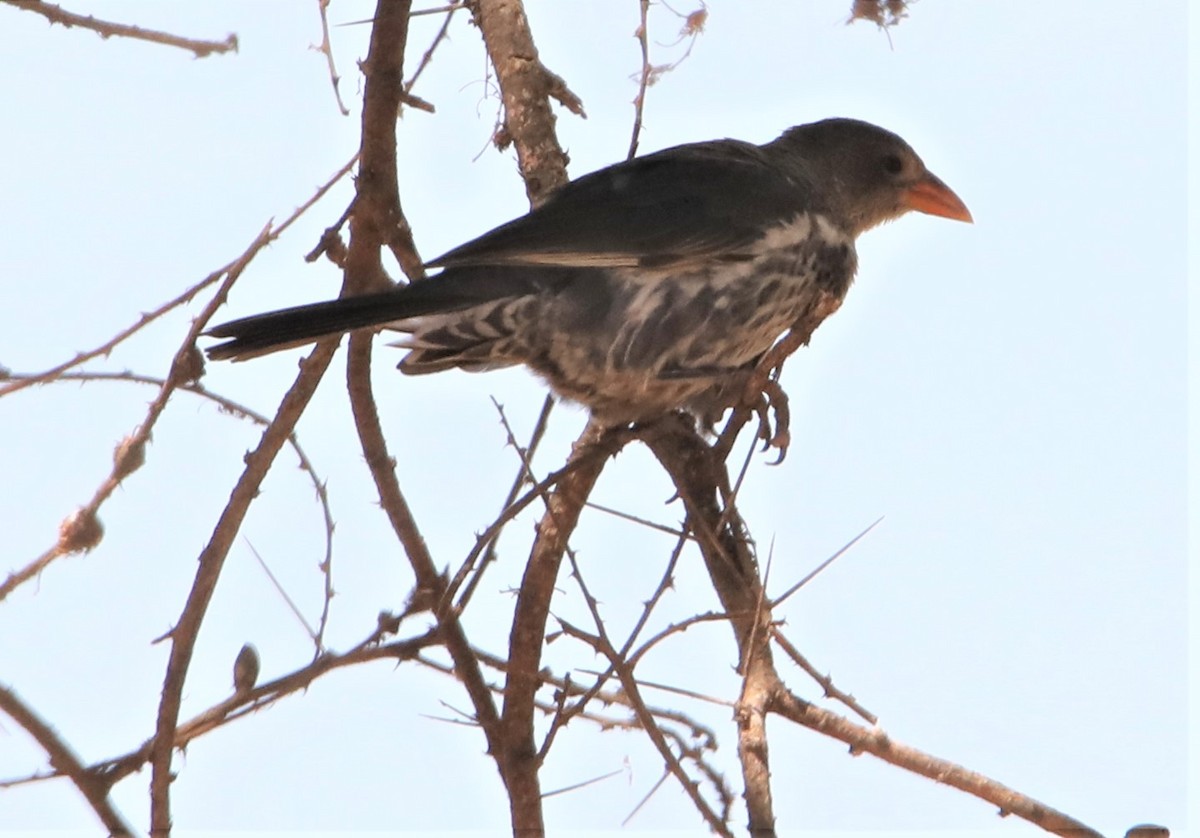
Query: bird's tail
point(453, 290)
point(289, 327)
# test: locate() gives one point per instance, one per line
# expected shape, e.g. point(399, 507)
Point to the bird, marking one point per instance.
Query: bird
point(652, 285)
point(245, 669)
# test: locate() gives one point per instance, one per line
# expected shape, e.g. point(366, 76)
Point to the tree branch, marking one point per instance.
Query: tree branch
point(699, 475)
point(874, 741)
point(210, 563)
point(378, 220)
point(212, 557)
point(64, 761)
point(526, 87)
point(108, 29)
point(563, 507)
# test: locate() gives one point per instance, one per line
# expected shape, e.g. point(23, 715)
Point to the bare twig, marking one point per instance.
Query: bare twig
point(621, 667)
point(240, 410)
point(629, 686)
point(577, 707)
point(378, 220)
point(82, 531)
point(474, 564)
point(639, 101)
point(437, 40)
point(649, 73)
point(264, 695)
point(519, 764)
point(186, 297)
point(210, 562)
point(562, 716)
point(108, 29)
point(677, 628)
point(489, 535)
point(64, 762)
point(877, 743)
point(831, 691)
point(326, 49)
point(30, 379)
point(212, 557)
point(669, 688)
point(695, 731)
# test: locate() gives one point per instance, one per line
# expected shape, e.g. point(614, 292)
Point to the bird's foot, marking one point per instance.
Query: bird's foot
point(773, 400)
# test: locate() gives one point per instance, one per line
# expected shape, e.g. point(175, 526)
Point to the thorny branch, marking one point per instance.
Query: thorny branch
point(63, 760)
point(427, 57)
point(182, 299)
point(81, 531)
point(698, 477)
point(212, 558)
point(526, 87)
point(876, 742)
point(629, 686)
point(644, 77)
point(326, 49)
point(378, 220)
point(233, 408)
point(264, 695)
point(648, 74)
point(563, 507)
point(109, 29)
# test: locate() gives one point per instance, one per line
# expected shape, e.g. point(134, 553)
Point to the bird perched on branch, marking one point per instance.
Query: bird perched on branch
point(654, 284)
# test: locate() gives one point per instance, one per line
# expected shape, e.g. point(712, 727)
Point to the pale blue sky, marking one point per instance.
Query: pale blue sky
point(1010, 396)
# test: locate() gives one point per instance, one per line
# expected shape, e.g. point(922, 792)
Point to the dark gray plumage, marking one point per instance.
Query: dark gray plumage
point(653, 284)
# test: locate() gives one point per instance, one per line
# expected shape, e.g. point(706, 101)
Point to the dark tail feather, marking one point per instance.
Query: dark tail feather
point(283, 329)
point(454, 289)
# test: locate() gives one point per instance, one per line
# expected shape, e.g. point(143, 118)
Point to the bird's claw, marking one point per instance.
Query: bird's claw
point(773, 399)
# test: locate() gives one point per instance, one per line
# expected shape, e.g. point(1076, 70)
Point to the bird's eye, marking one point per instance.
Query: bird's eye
point(892, 164)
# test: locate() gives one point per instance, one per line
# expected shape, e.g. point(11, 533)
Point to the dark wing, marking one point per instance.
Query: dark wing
point(693, 202)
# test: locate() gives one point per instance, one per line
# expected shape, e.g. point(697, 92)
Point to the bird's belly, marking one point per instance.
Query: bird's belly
point(675, 341)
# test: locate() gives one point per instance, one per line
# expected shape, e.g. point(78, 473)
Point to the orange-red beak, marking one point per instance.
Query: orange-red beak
point(929, 195)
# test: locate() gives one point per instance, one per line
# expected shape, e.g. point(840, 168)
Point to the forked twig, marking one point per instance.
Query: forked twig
point(326, 49)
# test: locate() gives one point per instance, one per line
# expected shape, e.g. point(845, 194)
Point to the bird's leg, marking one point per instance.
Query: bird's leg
point(777, 399)
point(762, 385)
point(772, 399)
point(764, 395)
point(762, 409)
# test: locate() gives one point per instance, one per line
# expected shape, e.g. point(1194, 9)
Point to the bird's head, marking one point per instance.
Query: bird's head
point(862, 175)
